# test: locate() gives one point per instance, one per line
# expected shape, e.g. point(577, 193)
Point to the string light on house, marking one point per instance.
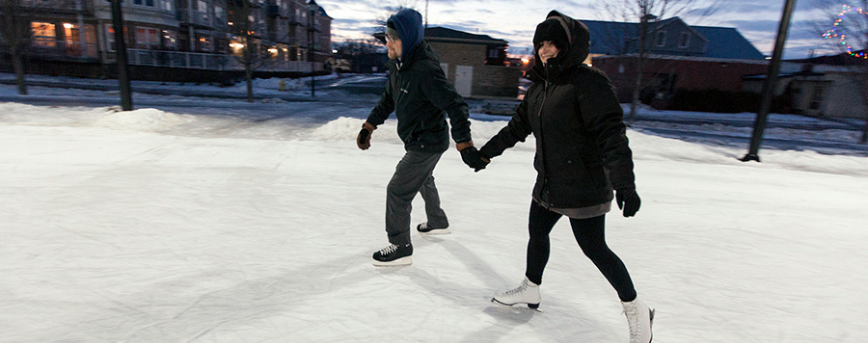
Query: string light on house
point(835, 32)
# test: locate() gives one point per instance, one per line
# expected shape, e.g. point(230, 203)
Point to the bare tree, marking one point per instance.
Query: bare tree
point(251, 58)
point(14, 26)
point(849, 22)
point(636, 39)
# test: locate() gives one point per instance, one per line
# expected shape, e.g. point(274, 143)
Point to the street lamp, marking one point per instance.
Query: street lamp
point(768, 89)
point(312, 8)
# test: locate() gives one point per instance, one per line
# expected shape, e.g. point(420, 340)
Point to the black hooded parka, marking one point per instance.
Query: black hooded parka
point(420, 95)
point(582, 150)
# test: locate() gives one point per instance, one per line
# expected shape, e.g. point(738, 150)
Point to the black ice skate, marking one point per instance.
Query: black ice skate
point(393, 256)
point(425, 229)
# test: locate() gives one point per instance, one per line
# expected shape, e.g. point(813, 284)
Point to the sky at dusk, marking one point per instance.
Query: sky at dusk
point(515, 20)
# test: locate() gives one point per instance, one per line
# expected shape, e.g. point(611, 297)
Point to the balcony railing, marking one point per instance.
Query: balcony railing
point(185, 60)
point(44, 46)
point(196, 60)
point(195, 17)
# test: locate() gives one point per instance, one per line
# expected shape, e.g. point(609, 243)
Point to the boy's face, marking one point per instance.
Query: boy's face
point(393, 44)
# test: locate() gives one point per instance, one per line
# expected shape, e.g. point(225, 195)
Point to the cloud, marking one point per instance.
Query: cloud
point(752, 25)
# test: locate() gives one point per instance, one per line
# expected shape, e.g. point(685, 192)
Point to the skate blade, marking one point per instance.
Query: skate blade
point(519, 306)
point(436, 232)
point(403, 261)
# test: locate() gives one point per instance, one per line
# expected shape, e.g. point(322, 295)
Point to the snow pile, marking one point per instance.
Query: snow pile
point(345, 128)
point(274, 83)
point(22, 114)
point(144, 120)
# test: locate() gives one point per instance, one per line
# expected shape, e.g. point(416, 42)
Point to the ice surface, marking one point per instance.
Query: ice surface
point(152, 226)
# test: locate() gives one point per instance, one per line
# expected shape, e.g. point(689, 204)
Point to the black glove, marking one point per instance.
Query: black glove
point(628, 200)
point(473, 159)
point(364, 138)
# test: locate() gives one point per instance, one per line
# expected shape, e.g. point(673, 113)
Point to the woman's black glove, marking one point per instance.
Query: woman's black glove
point(628, 200)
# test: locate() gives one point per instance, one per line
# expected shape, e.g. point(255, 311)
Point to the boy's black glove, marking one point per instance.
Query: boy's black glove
point(364, 138)
point(473, 158)
point(628, 200)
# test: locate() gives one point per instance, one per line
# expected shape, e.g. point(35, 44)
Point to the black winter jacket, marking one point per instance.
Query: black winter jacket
point(419, 94)
point(582, 150)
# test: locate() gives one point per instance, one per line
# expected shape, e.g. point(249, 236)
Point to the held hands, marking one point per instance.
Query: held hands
point(628, 200)
point(471, 157)
point(364, 138)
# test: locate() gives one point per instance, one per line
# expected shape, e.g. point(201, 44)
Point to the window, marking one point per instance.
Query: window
point(684, 40)
point(204, 43)
point(203, 10)
point(73, 42)
point(660, 38)
point(170, 39)
point(147, 38)
point(110, 37)
point(816, 98)
point(167, 5)
point(43, 34)
point(219, 13)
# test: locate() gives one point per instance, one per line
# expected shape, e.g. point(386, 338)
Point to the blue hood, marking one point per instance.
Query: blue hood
point(408, 23)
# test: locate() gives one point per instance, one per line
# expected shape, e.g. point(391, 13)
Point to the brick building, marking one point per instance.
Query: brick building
point(679, 57)
point(475, 64)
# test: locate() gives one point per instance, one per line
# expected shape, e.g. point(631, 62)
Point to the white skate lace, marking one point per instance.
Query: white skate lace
point(388, 250)
point(520, 289)
point(633, 322)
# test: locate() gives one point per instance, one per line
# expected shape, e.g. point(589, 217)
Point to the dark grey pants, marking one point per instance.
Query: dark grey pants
point(414, 174)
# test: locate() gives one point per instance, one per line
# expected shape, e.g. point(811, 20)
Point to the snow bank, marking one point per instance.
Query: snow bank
point(143, 120)
point(344, 128)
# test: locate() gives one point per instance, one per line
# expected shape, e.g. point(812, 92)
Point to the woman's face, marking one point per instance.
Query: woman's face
point(547, 50)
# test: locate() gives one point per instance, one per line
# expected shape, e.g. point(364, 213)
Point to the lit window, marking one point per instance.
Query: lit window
point(43, 34)
point(147, 38)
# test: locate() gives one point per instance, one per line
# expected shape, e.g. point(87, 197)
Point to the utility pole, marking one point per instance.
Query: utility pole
point(426, 14)
point(121, 52)
point(312, 30)
point(769, 86)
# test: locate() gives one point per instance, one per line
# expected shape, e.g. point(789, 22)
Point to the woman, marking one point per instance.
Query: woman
point(582, 153)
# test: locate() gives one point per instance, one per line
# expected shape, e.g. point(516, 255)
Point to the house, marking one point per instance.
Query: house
point(476, 64)
point(198, 39)
point(679, 57)
point(825, 86)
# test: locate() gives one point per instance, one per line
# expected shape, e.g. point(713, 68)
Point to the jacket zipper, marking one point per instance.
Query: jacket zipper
point(543, 190)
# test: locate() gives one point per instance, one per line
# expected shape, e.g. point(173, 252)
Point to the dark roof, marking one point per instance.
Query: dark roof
point(322, 11)
point(843, 59)
point(445, 34)
point(609, 37)
point(727, 42)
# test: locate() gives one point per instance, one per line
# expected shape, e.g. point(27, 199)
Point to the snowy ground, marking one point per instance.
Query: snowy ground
point(154, 226)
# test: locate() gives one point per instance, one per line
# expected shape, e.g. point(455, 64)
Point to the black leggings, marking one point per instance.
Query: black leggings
point(591, 235)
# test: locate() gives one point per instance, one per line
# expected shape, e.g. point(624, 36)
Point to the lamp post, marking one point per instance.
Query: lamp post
point(121, 49)
point(312, 7)
point(768, 90)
